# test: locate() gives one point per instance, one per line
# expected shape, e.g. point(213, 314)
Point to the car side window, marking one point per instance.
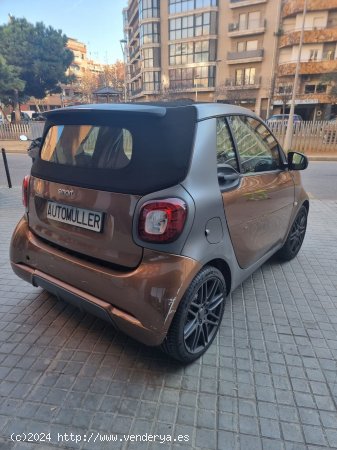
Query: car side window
point(225, 151)
point(257, 148)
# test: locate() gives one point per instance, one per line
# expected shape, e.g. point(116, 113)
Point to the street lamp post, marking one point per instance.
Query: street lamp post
point(123, 43)
point(290, 125)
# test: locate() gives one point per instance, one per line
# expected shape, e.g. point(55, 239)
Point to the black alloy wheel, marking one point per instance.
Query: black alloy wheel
point(198, 317)
point(204, 315)
point(295, 237)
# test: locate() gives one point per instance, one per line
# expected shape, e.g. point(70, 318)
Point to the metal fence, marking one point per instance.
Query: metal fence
point(14, 130)
point(309, 137)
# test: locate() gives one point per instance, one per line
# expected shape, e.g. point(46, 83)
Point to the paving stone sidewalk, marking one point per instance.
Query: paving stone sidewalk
point(268, 382)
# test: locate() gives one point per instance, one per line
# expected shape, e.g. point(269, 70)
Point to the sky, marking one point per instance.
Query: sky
point(99, 24)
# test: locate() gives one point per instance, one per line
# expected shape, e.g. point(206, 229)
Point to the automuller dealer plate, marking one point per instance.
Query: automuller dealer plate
point(84, 218)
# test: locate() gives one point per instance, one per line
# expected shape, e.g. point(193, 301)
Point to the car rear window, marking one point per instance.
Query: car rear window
point(102, 147)
point(118, 151)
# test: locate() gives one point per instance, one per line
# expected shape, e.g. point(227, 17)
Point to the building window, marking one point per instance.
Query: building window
point(181, 78)
point(148, 57)
point(181, 53)
point(181, 28)
point(313, 55)
point(151, 81)
point(245, 76)
point(309, 89)
point(151, 57)
point(201, 51)
point(244, 46)
point(192, 52)
point(191, 26)
point(321, 88)
point(249, 21)
point(148, 9)
point(202, 24)
point(286, 89)
point(149, 33)
point(178, 6)
point(192, 77)
point(315, 88)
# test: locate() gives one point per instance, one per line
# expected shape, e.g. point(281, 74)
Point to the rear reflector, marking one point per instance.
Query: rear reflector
point(25, 186)
point(162, 221)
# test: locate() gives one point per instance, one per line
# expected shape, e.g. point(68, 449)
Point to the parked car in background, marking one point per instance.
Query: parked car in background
point(25, 117)
point(284, 118)
point(38, 117)
point(148, 216)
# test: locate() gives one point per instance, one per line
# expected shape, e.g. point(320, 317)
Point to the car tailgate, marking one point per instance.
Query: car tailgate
point(93, 223)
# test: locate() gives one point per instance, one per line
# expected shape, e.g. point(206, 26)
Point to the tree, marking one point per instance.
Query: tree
point(38, 56)
point(113, 75)
point(9, 77)
point(9, 81)
point(88, 83)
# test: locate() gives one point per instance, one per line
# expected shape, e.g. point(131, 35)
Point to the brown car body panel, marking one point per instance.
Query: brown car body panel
point(258, 213)
point(141, 302)
point(113, 244)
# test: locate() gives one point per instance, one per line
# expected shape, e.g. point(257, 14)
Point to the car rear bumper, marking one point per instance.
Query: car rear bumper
point(140, 302)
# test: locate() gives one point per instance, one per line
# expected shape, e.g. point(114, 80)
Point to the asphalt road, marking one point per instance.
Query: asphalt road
point(320, 179)
point(19, 166)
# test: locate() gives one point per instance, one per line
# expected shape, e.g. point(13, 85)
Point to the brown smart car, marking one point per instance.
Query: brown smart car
point(149, 215)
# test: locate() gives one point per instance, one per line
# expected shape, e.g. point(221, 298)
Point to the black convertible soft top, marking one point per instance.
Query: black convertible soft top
point(162, 147)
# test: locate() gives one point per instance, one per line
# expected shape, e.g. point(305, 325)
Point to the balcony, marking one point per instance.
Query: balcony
point(302, 99)
point(241, 3)
point(324, 65)
point(134, 33)
point(312, 36)
point(231, 84)
point(238, 30)
point(293, 7)
point(136, 92)
point(132, 12)
point(135, 72)
point(133, 53)
point(245, 57)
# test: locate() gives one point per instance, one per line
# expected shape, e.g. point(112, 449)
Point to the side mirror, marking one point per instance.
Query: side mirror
point(23, 137)
point(297, 161)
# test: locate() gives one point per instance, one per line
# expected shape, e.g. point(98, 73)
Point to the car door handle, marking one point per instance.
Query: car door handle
point(223, 178)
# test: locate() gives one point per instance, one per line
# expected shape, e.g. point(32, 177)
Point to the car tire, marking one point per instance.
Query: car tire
point(198, 317)
point(295, 237)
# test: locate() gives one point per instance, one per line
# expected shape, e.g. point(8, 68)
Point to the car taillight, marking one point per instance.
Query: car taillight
point(25, 185)
point(162, 220)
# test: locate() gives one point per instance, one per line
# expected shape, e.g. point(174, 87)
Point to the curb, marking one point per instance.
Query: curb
point(322, 158)
point(20, 152)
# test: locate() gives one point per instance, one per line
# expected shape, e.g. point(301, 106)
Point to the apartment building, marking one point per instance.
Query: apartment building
point(208, 50)
point(315, 97)
point(238, 51)
point(81, 63)
point(83, 68)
